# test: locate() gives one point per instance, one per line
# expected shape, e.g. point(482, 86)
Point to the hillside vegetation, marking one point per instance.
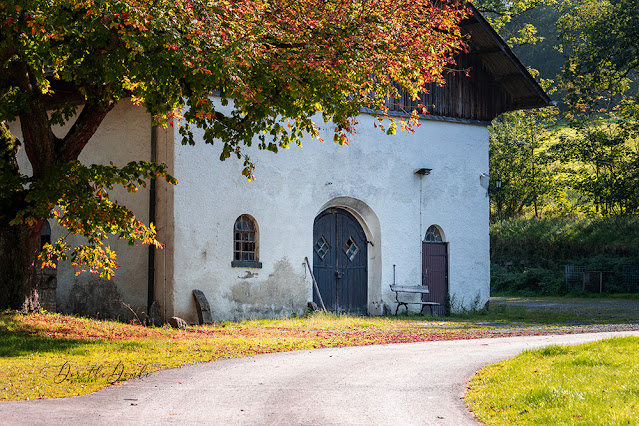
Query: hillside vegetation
point(528, 256)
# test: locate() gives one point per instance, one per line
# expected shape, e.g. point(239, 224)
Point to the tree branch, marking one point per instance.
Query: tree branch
point(37, 136)
point(82, 130)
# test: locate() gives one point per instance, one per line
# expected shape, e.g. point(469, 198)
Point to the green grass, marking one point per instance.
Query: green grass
point(516, 315)
point(48, 356)
point(590, 384)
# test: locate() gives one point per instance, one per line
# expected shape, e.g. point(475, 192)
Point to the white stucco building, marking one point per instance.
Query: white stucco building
point(411, 209)
point(373, 179)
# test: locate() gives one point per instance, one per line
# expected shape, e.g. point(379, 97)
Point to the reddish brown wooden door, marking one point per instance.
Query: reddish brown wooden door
point(435, 274)
point(340, 262)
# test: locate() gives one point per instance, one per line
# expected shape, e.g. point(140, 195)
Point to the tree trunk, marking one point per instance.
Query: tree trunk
point(19, 247)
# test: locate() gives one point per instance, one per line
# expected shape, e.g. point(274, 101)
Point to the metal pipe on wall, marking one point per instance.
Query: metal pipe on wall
point(151, 261)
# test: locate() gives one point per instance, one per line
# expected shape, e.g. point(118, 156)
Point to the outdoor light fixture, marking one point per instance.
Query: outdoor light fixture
point(423, 172)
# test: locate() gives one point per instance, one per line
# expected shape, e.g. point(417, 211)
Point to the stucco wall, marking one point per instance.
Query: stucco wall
point(373, 177)
point(124, 136)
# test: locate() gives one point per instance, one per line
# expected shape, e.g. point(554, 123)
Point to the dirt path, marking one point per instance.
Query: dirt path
point(593, 311)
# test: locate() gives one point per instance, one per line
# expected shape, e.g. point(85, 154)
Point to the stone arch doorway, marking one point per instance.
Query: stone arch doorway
point(340, 261)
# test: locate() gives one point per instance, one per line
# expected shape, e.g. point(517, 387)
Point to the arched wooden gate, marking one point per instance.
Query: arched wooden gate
point(340, 261)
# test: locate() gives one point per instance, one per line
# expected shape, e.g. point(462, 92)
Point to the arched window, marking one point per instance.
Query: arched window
point(45, 235)
point(246, 243)
point(433, 235)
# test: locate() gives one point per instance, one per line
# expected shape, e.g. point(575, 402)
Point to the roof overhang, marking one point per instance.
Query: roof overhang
point(500, 61)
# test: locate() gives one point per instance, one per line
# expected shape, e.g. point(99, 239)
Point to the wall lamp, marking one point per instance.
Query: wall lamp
point(423, 172)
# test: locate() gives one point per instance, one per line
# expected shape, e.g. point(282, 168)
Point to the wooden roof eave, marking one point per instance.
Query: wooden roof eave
point(501, 50)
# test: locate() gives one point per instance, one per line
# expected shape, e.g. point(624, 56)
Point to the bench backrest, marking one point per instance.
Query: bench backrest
point(410, 288)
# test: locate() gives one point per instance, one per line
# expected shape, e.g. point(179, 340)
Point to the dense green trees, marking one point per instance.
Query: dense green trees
point(519, 158)
point(601, 164)
point(604, 40)
point(583, 160)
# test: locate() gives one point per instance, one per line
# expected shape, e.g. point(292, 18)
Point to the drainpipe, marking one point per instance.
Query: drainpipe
point(421, 173)
point(151, 262)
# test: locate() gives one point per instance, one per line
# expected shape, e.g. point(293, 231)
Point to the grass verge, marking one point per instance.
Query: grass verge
point(594, 384)
point(48, 355)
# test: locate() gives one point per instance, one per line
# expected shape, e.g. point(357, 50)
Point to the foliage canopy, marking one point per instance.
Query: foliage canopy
point(605, 44)
point(276, 63)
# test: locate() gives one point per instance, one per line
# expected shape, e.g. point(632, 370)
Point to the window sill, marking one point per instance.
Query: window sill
point(245, 264)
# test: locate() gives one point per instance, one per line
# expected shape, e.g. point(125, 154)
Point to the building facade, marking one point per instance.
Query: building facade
point(408, 209)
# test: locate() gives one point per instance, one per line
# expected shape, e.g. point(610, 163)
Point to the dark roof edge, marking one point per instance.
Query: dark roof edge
point(509, 53)
point(427, 117)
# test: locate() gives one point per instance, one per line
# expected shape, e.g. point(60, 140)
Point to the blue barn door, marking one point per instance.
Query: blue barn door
point(340, 262)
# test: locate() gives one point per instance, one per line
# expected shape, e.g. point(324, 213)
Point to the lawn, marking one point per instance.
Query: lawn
point(591, 384)
point(46, 355)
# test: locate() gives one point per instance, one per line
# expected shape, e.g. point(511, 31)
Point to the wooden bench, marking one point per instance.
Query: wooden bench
point(415, 289)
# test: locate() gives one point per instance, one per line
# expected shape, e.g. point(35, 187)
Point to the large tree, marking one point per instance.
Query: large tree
point(604, 46)
point(279, 62)
point(519, 159)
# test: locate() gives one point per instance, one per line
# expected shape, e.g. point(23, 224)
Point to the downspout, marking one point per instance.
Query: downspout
point(151, 262)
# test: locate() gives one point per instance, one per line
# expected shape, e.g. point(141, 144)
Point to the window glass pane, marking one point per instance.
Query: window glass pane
point(245, 238)
point(433, 235)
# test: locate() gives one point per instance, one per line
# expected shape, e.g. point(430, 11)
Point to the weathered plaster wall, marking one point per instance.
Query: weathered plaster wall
point(373, 177)
point(124, 136)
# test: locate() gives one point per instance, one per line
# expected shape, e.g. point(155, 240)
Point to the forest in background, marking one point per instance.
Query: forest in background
point(564, 180)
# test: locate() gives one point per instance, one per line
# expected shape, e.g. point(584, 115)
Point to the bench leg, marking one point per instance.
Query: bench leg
point(400, 304)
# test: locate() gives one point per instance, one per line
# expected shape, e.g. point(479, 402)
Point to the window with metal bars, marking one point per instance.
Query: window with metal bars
point(246, 243)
